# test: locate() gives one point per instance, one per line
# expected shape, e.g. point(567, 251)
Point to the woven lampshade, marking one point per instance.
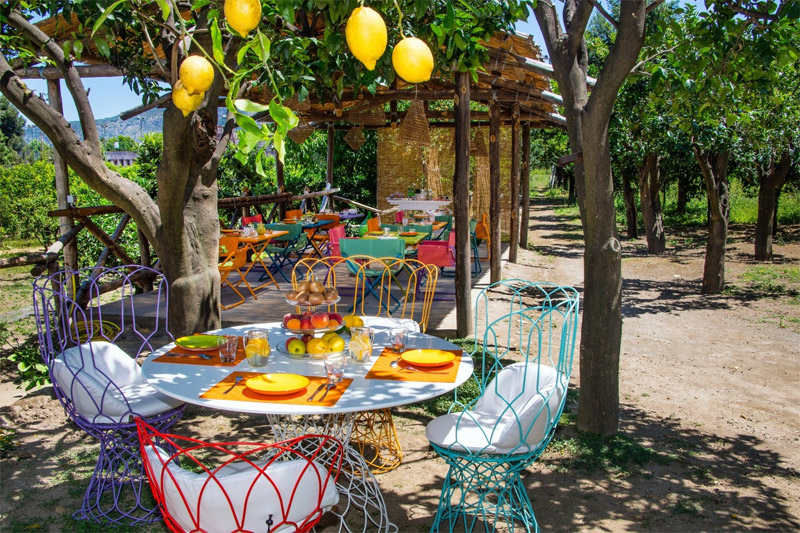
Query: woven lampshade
point(300, 133)
point(414, 128)
point(355, 137)
point(374, 116)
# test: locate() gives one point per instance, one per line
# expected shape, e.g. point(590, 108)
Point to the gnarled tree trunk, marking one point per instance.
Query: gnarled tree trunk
point(771, 179)
point(714, 166)
point(649, 187)
point(630, 207)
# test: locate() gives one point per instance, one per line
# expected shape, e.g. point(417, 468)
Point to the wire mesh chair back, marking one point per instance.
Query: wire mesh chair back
point(81, 328)
point(523, 374)
point(241, 486)
point(330, 271)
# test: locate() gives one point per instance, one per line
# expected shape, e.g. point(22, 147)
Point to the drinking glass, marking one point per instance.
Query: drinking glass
point(398, 339)
point(361, 339)
point(227, 345)
point(256, 347)
point(334, 366)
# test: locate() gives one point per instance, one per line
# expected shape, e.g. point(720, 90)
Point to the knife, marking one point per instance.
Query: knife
point(311, 398)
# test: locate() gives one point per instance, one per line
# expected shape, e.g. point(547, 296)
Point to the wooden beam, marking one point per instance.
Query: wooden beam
point(50, 255)
point(526, 186)
point(494, 192)
point(366, 207)
point(463, 281)
point(531, 65)
point(111, 242)
point(125, 115)
point(515, 157)
point(81, 212)
point(65, 223)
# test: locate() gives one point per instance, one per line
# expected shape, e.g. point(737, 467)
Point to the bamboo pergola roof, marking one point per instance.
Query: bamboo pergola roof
point(514, 74)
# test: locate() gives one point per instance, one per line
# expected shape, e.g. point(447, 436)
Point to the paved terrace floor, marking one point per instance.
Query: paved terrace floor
point(270, 305)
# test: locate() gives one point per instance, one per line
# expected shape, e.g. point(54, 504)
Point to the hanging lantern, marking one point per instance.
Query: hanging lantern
point(355, 137)
point(301, 132)
point(477, 146)
point(414, 128)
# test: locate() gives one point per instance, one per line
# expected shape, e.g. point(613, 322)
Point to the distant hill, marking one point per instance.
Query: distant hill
point(148, 122)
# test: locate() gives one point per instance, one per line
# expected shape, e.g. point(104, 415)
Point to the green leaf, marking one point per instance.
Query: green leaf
point(102, 46)
point(449, 22)
point(216, 40)
point(248, 124)
point(164, 5)
point(286, 9)
point(110, 9)
point(200, 4)
point(265, 46)
point(260, 164)
point(282, 115)
point(279, 144)
point(248, 106)
point(242, 51)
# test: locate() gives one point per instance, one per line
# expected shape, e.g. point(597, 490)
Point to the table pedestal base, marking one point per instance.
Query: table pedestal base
point(361, 507)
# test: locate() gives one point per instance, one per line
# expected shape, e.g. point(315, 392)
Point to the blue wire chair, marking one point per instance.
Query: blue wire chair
point(523, 376)
point(293, 243)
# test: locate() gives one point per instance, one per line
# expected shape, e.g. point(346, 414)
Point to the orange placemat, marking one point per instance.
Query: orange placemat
point(243, 394)
point(189, 357)
point(382, 369)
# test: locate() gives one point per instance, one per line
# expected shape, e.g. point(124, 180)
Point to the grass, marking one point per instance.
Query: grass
point(773, 279)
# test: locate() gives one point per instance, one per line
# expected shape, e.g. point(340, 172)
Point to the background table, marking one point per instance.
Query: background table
point(408, 204)
point(188, 382)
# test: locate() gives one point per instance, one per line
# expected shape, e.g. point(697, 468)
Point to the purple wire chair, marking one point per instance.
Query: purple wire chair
point(100, 386)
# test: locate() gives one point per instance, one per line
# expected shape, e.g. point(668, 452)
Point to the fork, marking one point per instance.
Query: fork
point(328, 387)
point(235, 382)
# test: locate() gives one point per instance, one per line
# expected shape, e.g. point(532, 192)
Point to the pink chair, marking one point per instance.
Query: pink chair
point(398, 217)
point(255, 219)
point(439, 253)
point(334, 234)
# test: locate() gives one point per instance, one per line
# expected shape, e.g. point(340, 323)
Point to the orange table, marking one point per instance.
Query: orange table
point(256, 246)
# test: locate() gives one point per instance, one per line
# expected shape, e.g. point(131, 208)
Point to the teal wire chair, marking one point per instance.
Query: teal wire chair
point(288, 249)
point(448, 220)
point(523, 375)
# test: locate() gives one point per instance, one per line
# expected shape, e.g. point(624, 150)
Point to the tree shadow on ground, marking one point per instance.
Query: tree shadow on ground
point(664, 477)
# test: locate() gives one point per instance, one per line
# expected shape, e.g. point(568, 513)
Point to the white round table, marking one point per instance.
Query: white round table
point(188, 382)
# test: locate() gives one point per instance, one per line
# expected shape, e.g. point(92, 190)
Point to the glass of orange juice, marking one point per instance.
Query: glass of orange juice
point(256, 347)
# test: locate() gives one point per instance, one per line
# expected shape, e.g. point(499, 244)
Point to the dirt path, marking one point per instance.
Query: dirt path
point(710, 411)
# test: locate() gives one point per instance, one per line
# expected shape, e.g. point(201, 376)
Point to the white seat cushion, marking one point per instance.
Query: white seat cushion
point(99, 377)
point(245, 486)
point(514, 414)
point(386, 322)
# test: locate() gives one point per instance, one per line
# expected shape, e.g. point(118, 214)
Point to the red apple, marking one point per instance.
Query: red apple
point(319, 319)
point(307, 337)
point(337, 317)
point(287, 317)
point(305, 323)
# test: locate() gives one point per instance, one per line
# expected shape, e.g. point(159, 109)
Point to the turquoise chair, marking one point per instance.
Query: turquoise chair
point(287, 249)
point(523, 375)
point(427, 229)
point(473, 243)
point(371, 249)
point(392, 227)
point(448, 220)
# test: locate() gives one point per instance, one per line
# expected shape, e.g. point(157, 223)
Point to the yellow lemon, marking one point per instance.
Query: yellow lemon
point(366, 35)
point(412, 60)
point(328, 336)
point(243, 15)
point(353, 321)
point(316, 346)
point(196, 74)
point(184, 101)
point(336, 343)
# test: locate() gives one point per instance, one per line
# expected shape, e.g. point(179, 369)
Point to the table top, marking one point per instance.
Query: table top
point(410, 240)
point(419, 205)
point(188, 382)
point(269, 235)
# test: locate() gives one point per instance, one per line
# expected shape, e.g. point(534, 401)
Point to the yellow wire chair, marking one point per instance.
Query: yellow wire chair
point(410, 281)
point(374, 434)
point(232, 259)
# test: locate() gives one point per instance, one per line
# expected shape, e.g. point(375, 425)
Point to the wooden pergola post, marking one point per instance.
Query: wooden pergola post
point(62, 182)
point(525, 177)
point(514, 240)
point(463, 282)
point(281, 187)
point(329, 163)
point(494, 190)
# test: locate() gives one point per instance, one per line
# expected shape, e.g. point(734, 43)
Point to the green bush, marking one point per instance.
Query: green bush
point(27, 193)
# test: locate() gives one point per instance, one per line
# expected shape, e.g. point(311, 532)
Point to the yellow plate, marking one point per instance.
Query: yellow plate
point(277, 383)
point(427, 357)
point(198, 342)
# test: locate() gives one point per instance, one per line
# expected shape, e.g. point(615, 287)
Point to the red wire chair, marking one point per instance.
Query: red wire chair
point(241, 486)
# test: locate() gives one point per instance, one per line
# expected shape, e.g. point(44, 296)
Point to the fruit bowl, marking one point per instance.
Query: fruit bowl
point(306, 304)
point(313, 331)
point(312, 347)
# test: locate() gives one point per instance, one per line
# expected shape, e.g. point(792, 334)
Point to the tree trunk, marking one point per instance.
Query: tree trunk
point(771, 179)
point(495, 268)
point(683, 198)
point(525, 179)
point(587, 128)
point(715, 172)
point(649, 186)
point(630, 207)
point(515, 161)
